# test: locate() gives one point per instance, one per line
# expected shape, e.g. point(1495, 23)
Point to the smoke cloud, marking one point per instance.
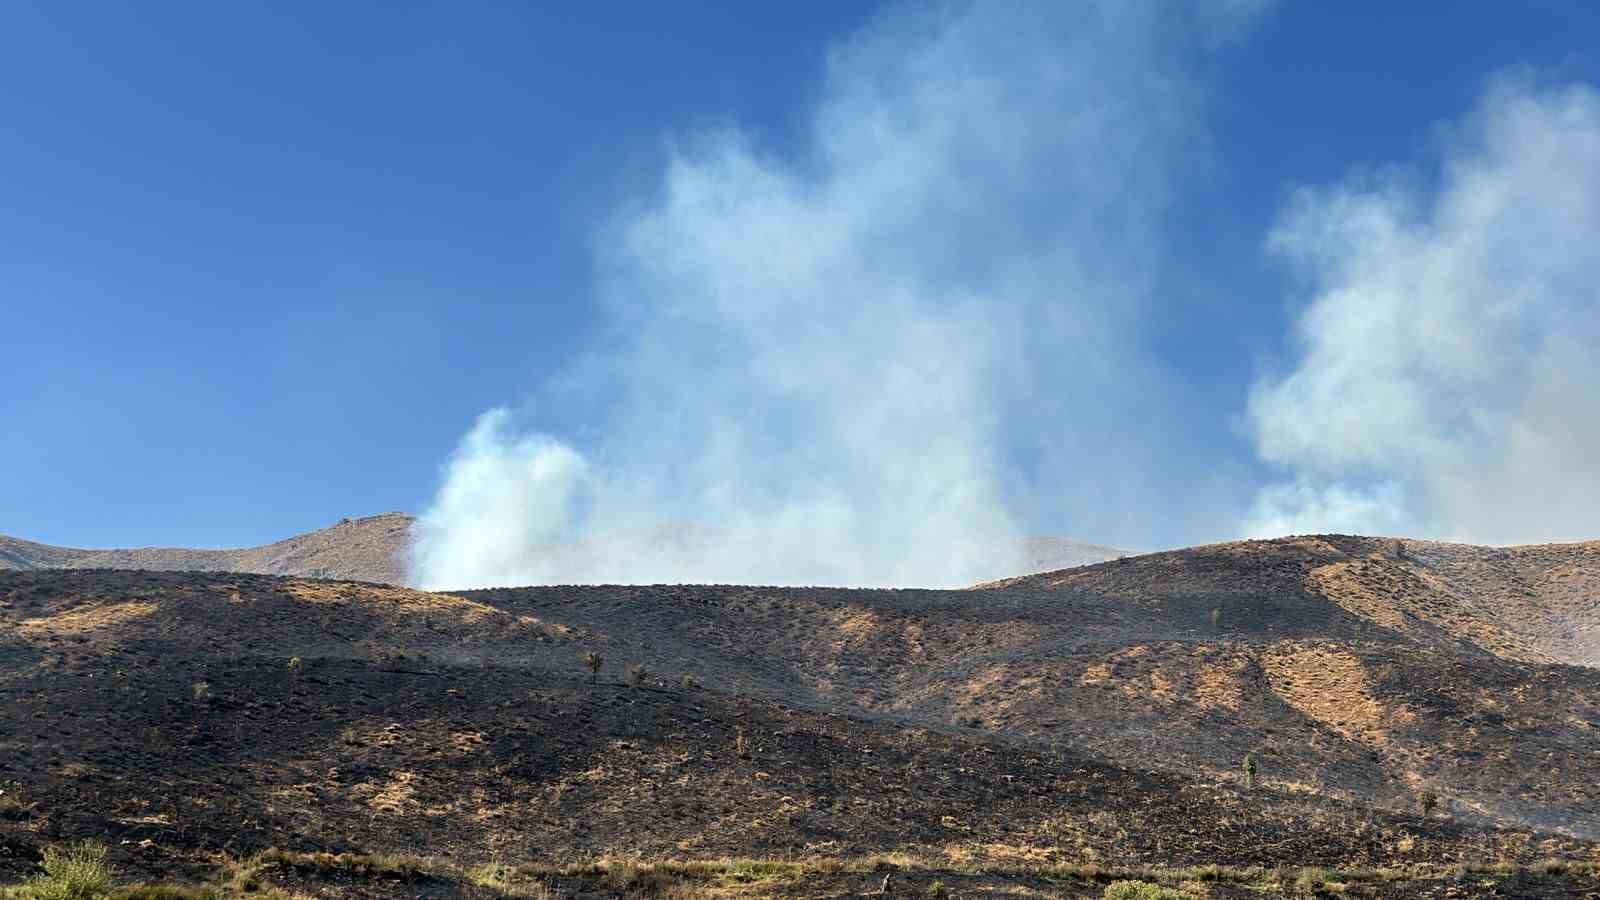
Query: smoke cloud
point(1445, 381)
point(865, 362)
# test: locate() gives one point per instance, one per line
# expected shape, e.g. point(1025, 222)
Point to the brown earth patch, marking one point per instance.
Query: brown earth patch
point(1329, 685)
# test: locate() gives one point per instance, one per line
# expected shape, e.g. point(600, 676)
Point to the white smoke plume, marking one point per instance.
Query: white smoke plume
point(1447, 381)
point(855, 364)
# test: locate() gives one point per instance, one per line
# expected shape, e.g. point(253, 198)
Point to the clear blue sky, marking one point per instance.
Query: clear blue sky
point(262, 264)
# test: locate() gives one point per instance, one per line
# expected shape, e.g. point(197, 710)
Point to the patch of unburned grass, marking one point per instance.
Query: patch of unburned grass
point(80, 872)
point(1141, 890)
point(385, 865)
point(647, 876)
point(167, 892)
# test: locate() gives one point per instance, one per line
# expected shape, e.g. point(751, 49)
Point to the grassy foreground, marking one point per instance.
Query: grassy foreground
point(81, 872)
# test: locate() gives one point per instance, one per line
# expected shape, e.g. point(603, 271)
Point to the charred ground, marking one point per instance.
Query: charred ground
point(1012, 738)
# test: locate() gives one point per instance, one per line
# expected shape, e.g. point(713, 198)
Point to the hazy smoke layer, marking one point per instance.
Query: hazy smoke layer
point(1447, 377)
point(853, 365)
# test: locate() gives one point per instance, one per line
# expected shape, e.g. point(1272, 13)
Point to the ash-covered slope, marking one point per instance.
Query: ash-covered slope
point(1375, 667)
point(1352, 668)
point(1539, 603)
point(177, 716)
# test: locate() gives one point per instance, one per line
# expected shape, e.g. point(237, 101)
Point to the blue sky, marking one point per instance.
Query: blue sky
point(265, 262)
point(265, 265)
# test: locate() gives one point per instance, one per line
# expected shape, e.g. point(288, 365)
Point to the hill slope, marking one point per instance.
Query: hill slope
point(966, 732)
point(367, 549)
point(375, 549)
point(1095, 714)
point(1359, 666)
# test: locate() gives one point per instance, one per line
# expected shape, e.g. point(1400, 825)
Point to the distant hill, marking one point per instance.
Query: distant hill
point(1047, 554)
point(366, 549)
point(374, 549)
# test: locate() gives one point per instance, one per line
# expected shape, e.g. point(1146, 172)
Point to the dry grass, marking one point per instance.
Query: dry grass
point(676, 878)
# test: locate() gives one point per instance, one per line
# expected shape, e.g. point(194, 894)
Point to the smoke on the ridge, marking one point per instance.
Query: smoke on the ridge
point(850, 364)
point(1447, 381)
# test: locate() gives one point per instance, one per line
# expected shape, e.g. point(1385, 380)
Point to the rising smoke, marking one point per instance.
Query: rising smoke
point(866, 362)
point(1446, 381)
point(853, 364)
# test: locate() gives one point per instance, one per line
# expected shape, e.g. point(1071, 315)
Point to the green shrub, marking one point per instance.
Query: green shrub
point(79, 872)
point(1140, 890)
point(1551, 867)
point(1311, 879)
point(294, 667)
point(638, 675)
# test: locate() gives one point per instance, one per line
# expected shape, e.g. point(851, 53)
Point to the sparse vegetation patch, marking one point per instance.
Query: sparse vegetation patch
point(76, 872)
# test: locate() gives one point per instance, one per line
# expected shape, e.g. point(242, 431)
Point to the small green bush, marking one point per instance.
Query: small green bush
point(79, 872)
point(1140, 890)
point(1552, 867)
point(1312, 879)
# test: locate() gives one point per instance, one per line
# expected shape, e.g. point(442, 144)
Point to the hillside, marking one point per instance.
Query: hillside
point(366, 549)
point(1011, 737)
point(1363, 667)
point(1048, 554)
point(1537, 603)
point(375, 549)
